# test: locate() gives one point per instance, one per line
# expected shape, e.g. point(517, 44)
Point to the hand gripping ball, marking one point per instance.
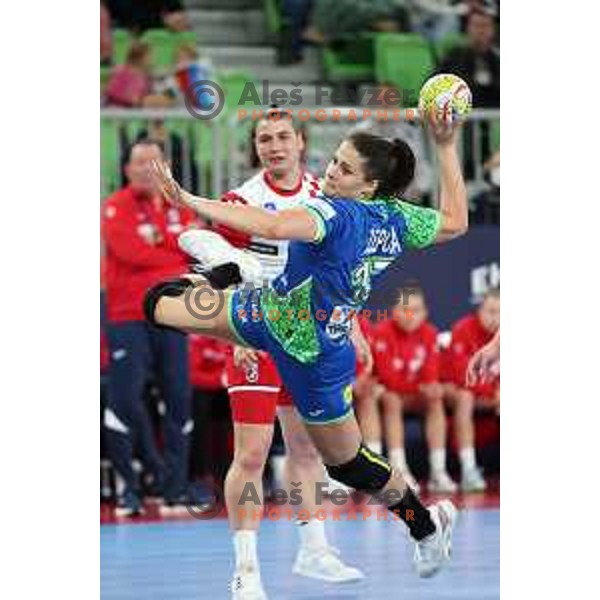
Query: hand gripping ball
point(448, 94)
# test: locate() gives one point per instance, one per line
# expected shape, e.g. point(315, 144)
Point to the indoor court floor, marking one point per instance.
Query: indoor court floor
point(192, 560)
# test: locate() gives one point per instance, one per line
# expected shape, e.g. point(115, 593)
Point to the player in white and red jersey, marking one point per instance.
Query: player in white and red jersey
point(255, 390)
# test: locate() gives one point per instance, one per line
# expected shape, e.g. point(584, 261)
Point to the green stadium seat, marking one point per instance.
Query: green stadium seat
point(348, 60)
point(161, 43)
point(164, 45)
point(405, 60)
point(104, 77)
point(121, 41)
point(109, 156)
point(274, 18)
point(495, 135)
point(233, 84)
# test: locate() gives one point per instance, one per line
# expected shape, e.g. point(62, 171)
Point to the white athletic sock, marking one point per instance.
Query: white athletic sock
point(397, 457)
point(244, 544)
point(312, 534)
point(437, 460)
point(375, 446)
point(467, 459)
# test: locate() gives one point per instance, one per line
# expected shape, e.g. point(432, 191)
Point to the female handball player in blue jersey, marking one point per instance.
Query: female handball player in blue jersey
point(340, 243)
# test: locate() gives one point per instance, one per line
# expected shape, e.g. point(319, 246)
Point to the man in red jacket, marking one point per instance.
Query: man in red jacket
point(469, 334)
point(140, 234)
point(407, 365)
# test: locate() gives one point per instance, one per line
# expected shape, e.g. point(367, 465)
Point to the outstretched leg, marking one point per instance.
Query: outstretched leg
point(190, 304)
point(348, 460)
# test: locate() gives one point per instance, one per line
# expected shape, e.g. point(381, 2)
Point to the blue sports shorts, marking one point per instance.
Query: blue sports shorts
point(321, 391)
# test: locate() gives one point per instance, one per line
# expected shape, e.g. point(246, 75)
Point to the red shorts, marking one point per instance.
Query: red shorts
point(255, 393)
point(487, 391)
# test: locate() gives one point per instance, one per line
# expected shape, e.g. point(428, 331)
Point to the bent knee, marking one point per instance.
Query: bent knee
point(170, 289)
point(251, 459)
point(465, 401)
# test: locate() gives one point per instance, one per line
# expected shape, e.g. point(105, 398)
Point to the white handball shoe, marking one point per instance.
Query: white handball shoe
point(324, 564)
point(247, 586)
point(473, 481)
point(213, 250)
point(432, 552)
point(441, 483)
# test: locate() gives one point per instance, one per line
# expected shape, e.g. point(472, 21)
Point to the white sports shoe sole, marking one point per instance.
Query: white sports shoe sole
point(335, 572)
point(444, 515)
point(247, 587)
point(213, 250)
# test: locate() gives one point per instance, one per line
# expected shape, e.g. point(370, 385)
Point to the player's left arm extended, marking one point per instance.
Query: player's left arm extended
point(290, 224)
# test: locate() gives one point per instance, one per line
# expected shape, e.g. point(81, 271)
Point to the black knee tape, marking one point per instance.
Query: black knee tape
point(366, 472)
point(172, 287)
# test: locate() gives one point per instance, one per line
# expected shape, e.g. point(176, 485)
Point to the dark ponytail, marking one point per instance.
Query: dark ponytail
point(391, 163)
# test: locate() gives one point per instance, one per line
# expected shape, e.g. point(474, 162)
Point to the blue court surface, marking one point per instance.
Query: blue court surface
point(192, 560)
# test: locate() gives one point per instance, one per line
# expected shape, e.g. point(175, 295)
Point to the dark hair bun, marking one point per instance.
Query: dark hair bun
point(390, 163)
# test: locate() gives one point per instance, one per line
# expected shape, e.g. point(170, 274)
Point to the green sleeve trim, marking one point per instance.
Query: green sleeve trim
point(319, 222)
point(422, 224)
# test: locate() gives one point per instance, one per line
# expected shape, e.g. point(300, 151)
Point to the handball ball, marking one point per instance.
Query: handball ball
point(448, 94)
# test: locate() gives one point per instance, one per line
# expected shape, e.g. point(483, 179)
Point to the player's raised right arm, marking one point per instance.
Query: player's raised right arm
point(454, 206)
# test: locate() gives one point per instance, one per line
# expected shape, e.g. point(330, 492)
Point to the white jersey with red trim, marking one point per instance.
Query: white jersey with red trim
point(260, 191)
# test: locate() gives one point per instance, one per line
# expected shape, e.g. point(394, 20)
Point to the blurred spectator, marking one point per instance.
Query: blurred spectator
point(492, 169)
point(407, 365)
point(179, 151)
point(336, 19)
point(189, 69)
point(366, 395)
point(436, 19)
point(486, 204)
point(140, 232)
point(297, 13)
point(409, 131)
point(210, 448)
point(130, 85)
point(149, 14)
point(478, 63)
point(470, 334)
point(105, 36)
